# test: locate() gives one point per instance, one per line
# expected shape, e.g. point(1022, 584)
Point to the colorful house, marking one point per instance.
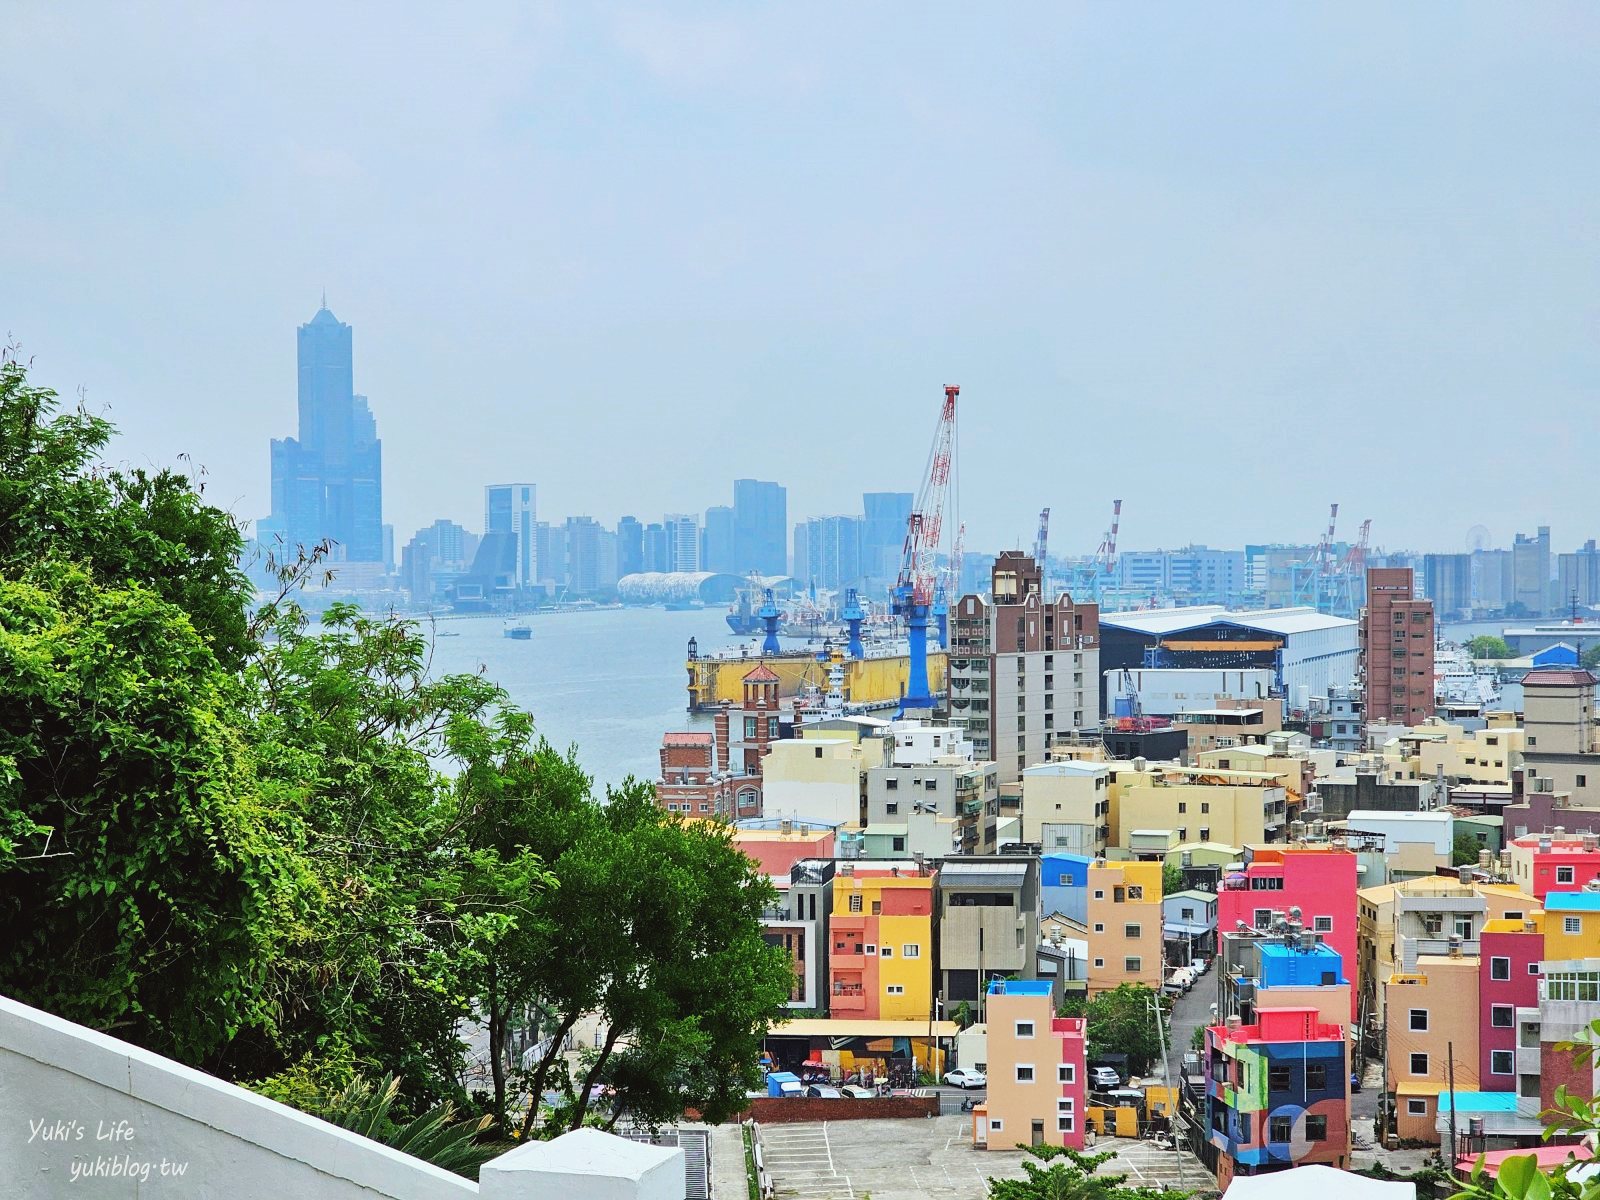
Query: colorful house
point(1546, 862)
point(1064, 885)
point(1318, 880)
point(1508, 979)
point(1572, 925)
point(1038, 1080)
point(1124, 911)
point(880, 963)
point(1433, 1014)
point(1277, 1093)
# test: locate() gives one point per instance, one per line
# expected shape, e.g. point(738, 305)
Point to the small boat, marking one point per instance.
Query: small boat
point(519, 631)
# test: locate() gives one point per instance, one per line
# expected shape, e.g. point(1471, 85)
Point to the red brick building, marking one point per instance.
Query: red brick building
point(1396, 648)
point(718, 774)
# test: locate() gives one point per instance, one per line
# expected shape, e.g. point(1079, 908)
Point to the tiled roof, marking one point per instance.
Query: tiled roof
point(1555, 677)
point(686, 739)
point(762, 674)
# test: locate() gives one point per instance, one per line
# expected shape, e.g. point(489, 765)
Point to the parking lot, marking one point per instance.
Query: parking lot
point(927, 1160)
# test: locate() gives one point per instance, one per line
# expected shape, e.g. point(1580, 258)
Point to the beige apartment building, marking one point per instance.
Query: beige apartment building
point(1066, 806)
point(1237, 808)
point(821, 776)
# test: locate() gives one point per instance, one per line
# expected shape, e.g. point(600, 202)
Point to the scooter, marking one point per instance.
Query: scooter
point(968, 1103)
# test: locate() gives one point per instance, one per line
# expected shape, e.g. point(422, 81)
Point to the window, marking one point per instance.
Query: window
point(1064, 1104)
point(1135, 891)
point(895, 989)
point(1500, 1063)
point(1564, 875)
point(1132, 965)
point(1499, 968)
point(886, 952)
point(996, 1123)
point(855, 901)
point(1263, 918)
point(1099, 927)
point(1433, 924)
point(1533, 968)
point(1278, 1079)
point(1500, 1016)
point(1064, 1122)
point(1316, 1076)
point(1571, 924)
point(892, 784)
point(1322, 924)
point(1572, 985)
point(1463, 926)
point(1419, 1064)
point(872, 948)
point(911, 950)
point(892, 807)
point(1024, 1072)
point(1279, 1129)
point(1186, 913)
point(1533, 741)
point(1024, 1029)
point(817, 752)
point(1099, 962)
point(1182, 807)
point(1416, 1108)
point(1099, 894)
point(1066, 1073)
point(931, 785)
point(1133, 931)
point(1581, 781)
point(1419, 1020)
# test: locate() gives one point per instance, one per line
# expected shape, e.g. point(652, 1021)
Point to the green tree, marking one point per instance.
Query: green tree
point(1120, 1021)
point(1590, 657)
point(1464, 849)
point(1488, 646)
point(1073, 1175)
point(1171, 879)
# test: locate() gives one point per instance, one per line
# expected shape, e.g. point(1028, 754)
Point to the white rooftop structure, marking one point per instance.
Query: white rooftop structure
point(1316, 1182)
point(599, 1165)
point(1068, 768)
point(1399, 827)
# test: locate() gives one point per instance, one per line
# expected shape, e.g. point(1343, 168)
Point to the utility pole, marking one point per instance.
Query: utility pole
point(1172, 1092)
point(1455, 1148)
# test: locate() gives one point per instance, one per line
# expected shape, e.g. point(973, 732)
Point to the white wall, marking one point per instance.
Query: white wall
point(83, 1114)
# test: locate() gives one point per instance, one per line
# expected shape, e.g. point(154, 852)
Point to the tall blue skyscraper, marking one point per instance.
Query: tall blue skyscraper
point(883, 535)
point(760, 527)
point(328, 481)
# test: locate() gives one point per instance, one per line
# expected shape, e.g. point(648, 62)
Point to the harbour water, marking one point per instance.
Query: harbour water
point(610, 680)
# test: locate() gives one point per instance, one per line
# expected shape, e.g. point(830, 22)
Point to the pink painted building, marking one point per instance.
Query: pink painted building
point(1508, 979)
point(1318, 880)
point(1554, 862)
point(1038, 1078)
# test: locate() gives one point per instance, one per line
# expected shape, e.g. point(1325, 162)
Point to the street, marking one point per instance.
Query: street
point(1189, 1013)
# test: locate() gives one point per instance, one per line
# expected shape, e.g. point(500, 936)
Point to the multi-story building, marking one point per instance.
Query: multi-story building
point(1572, 924)
point(1561, 746)
point(1277, 1093)
point(1066, 806)
point(934, 798)
point(1318, 881)
point(1414, 843)
point(1579, 577)
point(591, 558)
point(988, 921)
point(630, 547)
point(821, 775)
point(434, 558)
point(1493, 588)
point(883, 534)
point(327, 482)
point(1197, 804)
point(881, 943)
point(832, 552)
point(1530, 569)
point(511, 510)
point(1038, 1078)
point(1124, 913)
point(1397, 648)
point(720, 774)
point(1022, 669)
point(1546, 862)
point(760, 521)
point(1432, 1029)
point(683, 541)
point(716, 540)
point(798, 922)
point(1447, 581)
point(1064, 885)
point(655, 549)
point(1233, 721)
point(1508, 980)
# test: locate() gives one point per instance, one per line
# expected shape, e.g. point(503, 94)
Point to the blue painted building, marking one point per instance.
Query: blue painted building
point(1064, 886)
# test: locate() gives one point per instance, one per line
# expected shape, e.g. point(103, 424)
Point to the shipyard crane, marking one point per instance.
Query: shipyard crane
point(1349, 591)
point(853, 614)
point(949, 585)
point(1105, 558)
point(915, 586)
point(1311, 580)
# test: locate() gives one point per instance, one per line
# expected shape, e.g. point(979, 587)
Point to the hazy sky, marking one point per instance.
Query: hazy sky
point(1228, 262)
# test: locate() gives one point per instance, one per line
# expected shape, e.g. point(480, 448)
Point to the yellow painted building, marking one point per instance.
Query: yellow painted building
point(881, 959)
point(1066, 806)
point(1571, 925)
point(866, 680)
point(1433, 1011)
point(1124, 916)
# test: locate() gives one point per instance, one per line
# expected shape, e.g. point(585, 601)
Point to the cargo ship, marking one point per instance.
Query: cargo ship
point(875, 681)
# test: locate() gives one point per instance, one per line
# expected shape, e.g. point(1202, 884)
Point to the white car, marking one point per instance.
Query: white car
point(962, 1077)
point(820, 1091)
point(1103, 1077)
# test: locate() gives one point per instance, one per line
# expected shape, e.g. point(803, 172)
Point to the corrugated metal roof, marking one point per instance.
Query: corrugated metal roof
point(983, 874)
point(1269, 620)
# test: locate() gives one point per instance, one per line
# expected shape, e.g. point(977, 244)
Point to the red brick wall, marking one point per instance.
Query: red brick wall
point(769, 1110)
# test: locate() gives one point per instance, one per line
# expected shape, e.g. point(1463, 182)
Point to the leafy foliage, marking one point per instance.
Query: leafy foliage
point(1121, 1021)
point(1488, 646)
point(1464, 849)
point(434, 1136)
point(1590, 656)
point(1171, 879)
point(1073, 1175)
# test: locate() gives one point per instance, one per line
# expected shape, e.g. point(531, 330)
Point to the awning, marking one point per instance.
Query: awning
point(1180, 929)
point(816, 1027)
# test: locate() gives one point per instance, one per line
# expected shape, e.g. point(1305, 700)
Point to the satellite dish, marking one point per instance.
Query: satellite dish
point(1478, 538)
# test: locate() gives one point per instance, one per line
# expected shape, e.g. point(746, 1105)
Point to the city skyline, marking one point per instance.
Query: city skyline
point(649, 241)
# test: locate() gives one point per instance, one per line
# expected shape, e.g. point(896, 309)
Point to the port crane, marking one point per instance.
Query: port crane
point(1041, 546)
point(916, 584)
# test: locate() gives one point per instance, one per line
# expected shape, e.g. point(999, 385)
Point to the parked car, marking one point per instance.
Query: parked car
point(854, 1091)
point(965, 1077)
point(818, 1091)
point(1103, 1077)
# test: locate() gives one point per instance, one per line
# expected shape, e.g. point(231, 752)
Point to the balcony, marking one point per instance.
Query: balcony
point(1528, 1060)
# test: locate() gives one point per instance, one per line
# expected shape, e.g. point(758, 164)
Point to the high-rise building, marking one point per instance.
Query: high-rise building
point(435, 554)
point(833, 552)
point(718, 539)
point(1530, 567)
point(1396, 648)
point(760, 518)
point(630, 546)
point(1022, 669)
point(1447, 579)
point(800, 564)
point(655, 549)
point(883, 534)
point(683, 541)
point(587, 573)
point(550, 556)
point(510, 510)
point(1579, 576)
point(328, 481)
point(1492, 586)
